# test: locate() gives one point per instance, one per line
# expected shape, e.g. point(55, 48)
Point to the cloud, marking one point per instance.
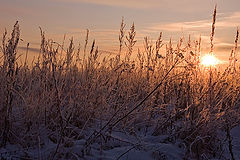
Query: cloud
point(32, 50)
point(232, 20)
point(228, 21)
point(225, 32)
point(120, 3)
point(179, 26)
point(144, 4)
point(184, 6)
point(15, 10)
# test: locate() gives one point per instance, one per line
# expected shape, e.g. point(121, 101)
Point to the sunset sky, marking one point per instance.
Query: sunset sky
point(175, 18)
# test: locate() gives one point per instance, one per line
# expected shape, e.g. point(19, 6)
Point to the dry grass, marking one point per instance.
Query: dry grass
point(65, 98)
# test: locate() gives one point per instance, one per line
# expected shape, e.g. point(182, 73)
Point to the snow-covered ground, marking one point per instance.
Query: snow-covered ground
point(120, 145)
point(235, 133)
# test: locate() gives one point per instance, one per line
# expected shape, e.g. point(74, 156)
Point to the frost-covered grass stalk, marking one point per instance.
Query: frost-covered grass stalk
point(71, 96)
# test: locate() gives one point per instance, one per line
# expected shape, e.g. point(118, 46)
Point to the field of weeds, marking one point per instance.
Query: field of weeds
point(74, 104)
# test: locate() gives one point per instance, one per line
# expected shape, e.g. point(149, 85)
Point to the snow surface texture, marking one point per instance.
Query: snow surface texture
point(120, 146)
point(235, 133)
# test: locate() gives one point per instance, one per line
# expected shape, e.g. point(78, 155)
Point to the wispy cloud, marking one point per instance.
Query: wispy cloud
point(141, 4)
point(32, 50)
point(179, 26)
point(223, 40)
point(229, 21)
point(174, 5)
point(232, 20)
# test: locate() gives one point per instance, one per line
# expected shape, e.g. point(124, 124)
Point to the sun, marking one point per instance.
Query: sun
point(209, 60)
